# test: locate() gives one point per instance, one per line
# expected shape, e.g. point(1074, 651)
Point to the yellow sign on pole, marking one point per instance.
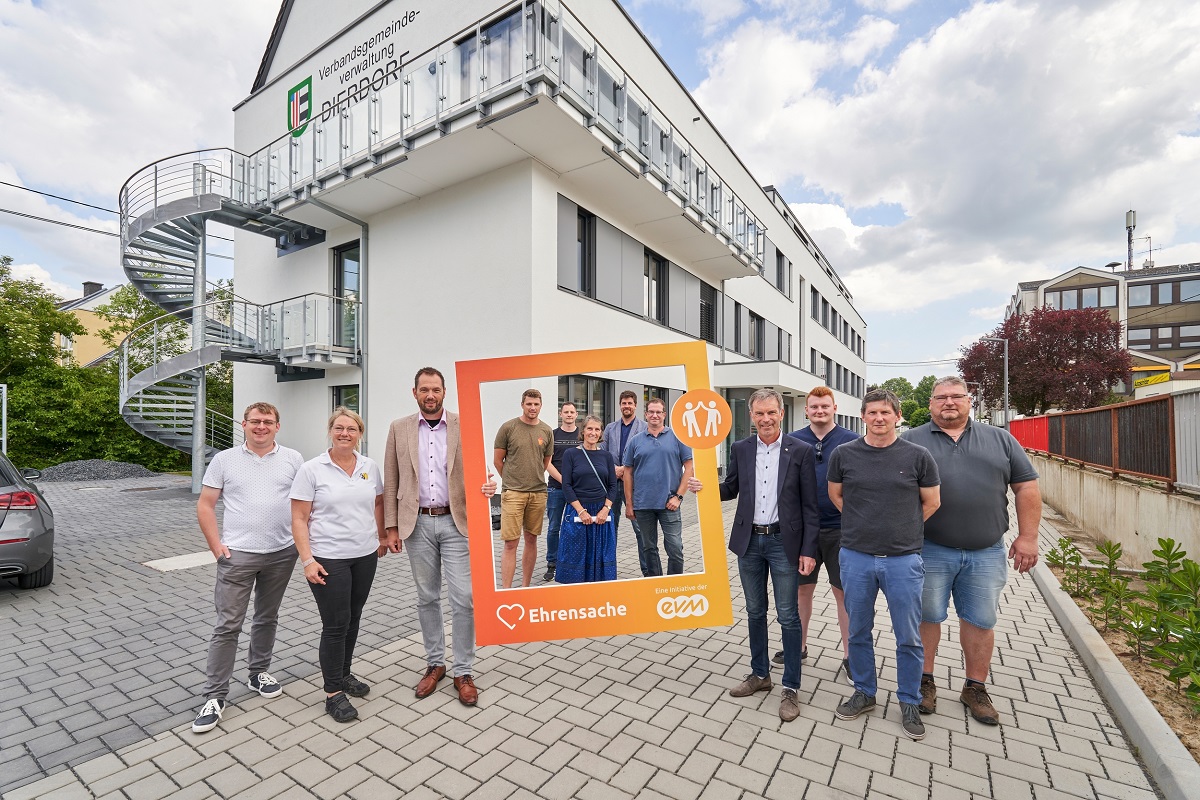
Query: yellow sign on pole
point(1161, 377)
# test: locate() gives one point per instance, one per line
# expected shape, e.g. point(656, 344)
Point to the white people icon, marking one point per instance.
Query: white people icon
point(712, 420)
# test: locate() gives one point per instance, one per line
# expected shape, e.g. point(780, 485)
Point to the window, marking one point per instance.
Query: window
point(708, 313)
point(756, 337)
point(1139, 295)
point(825, 313)
point(1090, 297)
point(1189, 331)
point(827, 371)
point(1053, 299)
point(1189, 291)
point(1163, 293)
point(783, 273)
point(654, 303)
point(813, 358)
point(585, 253)
point(1070, 300)
point(590, 395)
point(737, 329)
point(657, 393)
point(346, 396)
point(345, 290)
point(785, 347)
point(816, 305)
point(1108, 296)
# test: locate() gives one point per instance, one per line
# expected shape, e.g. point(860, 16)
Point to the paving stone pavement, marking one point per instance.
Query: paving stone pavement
point(103, 668)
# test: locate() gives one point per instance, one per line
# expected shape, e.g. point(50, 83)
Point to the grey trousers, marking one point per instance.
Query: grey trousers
point(436, 547)
point(267, 575)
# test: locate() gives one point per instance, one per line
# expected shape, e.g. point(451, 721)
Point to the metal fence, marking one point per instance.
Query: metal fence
point(1158, 438)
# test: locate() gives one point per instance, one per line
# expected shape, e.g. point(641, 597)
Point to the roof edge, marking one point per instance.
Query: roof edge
point(264, 66)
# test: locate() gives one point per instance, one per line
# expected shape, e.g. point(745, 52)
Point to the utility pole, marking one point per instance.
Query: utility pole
point(998, 339)
point(1130, 224)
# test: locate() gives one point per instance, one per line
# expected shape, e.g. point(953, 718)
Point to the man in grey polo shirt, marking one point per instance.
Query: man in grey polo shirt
point(964, 540)
point(254, 552)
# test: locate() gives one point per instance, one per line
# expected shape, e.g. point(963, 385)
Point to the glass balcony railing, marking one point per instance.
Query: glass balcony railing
point(533, 41)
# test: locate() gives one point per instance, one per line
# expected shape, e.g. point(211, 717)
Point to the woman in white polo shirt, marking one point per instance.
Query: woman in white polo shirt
point(337, 521)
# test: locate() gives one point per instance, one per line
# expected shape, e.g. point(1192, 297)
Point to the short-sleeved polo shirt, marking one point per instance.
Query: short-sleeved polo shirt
point(254, 491)
point(976, 473)
point(657, 463)
point(342, 523)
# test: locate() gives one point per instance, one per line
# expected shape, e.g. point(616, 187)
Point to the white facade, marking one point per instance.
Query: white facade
point(469, 251)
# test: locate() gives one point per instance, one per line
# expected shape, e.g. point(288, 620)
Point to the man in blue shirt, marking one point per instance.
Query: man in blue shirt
point(824, 435)
point(658, 468)
point(616, 438)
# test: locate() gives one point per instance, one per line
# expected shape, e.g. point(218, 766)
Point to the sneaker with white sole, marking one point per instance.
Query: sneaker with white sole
point(264, 684)
point(856, 704)
point(910, 721)
point(209, 716)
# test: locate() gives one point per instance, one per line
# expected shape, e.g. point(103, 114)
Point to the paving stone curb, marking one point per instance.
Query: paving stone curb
point(1167, 760)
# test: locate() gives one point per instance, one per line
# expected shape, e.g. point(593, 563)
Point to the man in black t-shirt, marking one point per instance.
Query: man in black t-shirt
point(566, 436)
point(885, 489)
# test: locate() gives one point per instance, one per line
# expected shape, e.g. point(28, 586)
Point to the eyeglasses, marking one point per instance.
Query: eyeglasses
point(256, 422)
point(941, 398)
point(344, 429)
point(819, 448)
point(655, 413)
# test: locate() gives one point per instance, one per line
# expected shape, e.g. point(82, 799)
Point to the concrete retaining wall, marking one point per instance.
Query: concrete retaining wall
point(1120, 511)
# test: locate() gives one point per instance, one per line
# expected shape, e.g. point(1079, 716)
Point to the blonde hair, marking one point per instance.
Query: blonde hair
point(342, 411)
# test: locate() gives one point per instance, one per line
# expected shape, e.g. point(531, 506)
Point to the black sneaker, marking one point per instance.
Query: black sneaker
point(778, 657)
point(857, 704)
point(911, 720)
point(549, 576)
point(209, 716)
point(355, 688)
point(339, 708)
point(264, 684)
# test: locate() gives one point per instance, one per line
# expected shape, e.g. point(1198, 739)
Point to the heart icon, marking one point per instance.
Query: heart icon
point(515, 611)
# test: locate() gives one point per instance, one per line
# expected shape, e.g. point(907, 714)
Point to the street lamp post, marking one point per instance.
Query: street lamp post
point(998, 339)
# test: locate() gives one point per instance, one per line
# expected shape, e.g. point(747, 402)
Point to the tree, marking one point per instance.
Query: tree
point(908, 408)
point(30, 324)
point(923, 391)
point(1057, 359)
point(919, 417)
point(899, 387)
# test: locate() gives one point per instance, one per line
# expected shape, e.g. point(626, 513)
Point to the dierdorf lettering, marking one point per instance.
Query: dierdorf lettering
point(358, 91)
point(565, 614)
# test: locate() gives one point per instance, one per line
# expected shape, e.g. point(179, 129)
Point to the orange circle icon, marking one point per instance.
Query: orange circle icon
point(701, 419)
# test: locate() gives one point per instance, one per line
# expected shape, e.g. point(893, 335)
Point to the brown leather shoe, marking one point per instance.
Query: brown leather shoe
point(468, 695)
point(977, 701)
point(928, 703)
point(428, 684)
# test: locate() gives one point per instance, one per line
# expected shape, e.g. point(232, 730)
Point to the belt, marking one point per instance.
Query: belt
point(772, 528)
point(434, 512)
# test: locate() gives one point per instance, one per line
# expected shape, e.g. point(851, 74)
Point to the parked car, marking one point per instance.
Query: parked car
point(26, 528)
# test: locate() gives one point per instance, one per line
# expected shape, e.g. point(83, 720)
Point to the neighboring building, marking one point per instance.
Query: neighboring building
point(1159, 308)
point(88, 348)
point(475, 179)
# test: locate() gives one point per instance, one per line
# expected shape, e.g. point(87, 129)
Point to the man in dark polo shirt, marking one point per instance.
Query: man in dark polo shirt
point(964, 541)
point(885, 488)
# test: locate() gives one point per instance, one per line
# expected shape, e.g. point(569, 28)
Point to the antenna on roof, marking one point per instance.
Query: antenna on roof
point(1130, 224)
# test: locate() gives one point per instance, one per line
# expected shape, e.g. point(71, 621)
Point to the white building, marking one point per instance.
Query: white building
point(469, 180)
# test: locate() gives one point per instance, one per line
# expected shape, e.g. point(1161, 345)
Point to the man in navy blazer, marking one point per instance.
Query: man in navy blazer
point(774, 532)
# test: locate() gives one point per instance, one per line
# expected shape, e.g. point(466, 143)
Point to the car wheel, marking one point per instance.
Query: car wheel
point(38, 579)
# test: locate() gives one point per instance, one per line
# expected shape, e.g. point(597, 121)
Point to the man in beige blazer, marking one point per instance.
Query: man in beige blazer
point(425, 505)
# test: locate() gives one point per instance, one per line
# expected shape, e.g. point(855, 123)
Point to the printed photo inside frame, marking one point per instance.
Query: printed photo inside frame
point(605, 608)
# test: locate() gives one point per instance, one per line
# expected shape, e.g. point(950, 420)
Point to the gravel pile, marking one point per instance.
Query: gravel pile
point(94, 469)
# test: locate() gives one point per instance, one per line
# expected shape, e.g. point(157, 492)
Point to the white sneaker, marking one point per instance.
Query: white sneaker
point(209, 716)
point(264, 684)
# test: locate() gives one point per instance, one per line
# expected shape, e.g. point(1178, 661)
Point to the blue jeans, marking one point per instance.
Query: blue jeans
point(976, 579)
point(555, 503)
point(765, 555)
point(616, 516)
point(901, 579)
point(648, 521)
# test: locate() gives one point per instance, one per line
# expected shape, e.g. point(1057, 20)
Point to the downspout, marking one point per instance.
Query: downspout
point(363, 237)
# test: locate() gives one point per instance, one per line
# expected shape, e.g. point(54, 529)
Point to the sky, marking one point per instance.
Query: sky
point(938, 152)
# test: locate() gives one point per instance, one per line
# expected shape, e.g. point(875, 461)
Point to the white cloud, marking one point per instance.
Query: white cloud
point(887, 6)
point(24, 272)
point(989, 313)
point(1013, 137)
point(872, 35)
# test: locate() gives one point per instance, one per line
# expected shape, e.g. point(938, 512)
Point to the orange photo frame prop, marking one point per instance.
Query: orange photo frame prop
point(608, 608)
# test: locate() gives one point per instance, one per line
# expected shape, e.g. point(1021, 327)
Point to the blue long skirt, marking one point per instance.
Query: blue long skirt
point(586, 553)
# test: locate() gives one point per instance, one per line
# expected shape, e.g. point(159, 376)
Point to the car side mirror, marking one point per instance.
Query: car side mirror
point(31, 474)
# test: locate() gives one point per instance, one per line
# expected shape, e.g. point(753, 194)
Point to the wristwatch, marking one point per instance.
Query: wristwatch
point(675, 494)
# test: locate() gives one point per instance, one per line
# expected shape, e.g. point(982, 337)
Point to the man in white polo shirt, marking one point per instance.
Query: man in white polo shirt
point(255, 552)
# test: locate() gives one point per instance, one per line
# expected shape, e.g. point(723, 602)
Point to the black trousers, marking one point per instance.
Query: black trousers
point(340, 601)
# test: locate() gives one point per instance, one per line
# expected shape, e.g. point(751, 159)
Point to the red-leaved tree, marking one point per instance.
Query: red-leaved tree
point(1056, 359)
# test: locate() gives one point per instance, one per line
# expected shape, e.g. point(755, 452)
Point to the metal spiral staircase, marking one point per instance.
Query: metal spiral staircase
point(165, 208)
